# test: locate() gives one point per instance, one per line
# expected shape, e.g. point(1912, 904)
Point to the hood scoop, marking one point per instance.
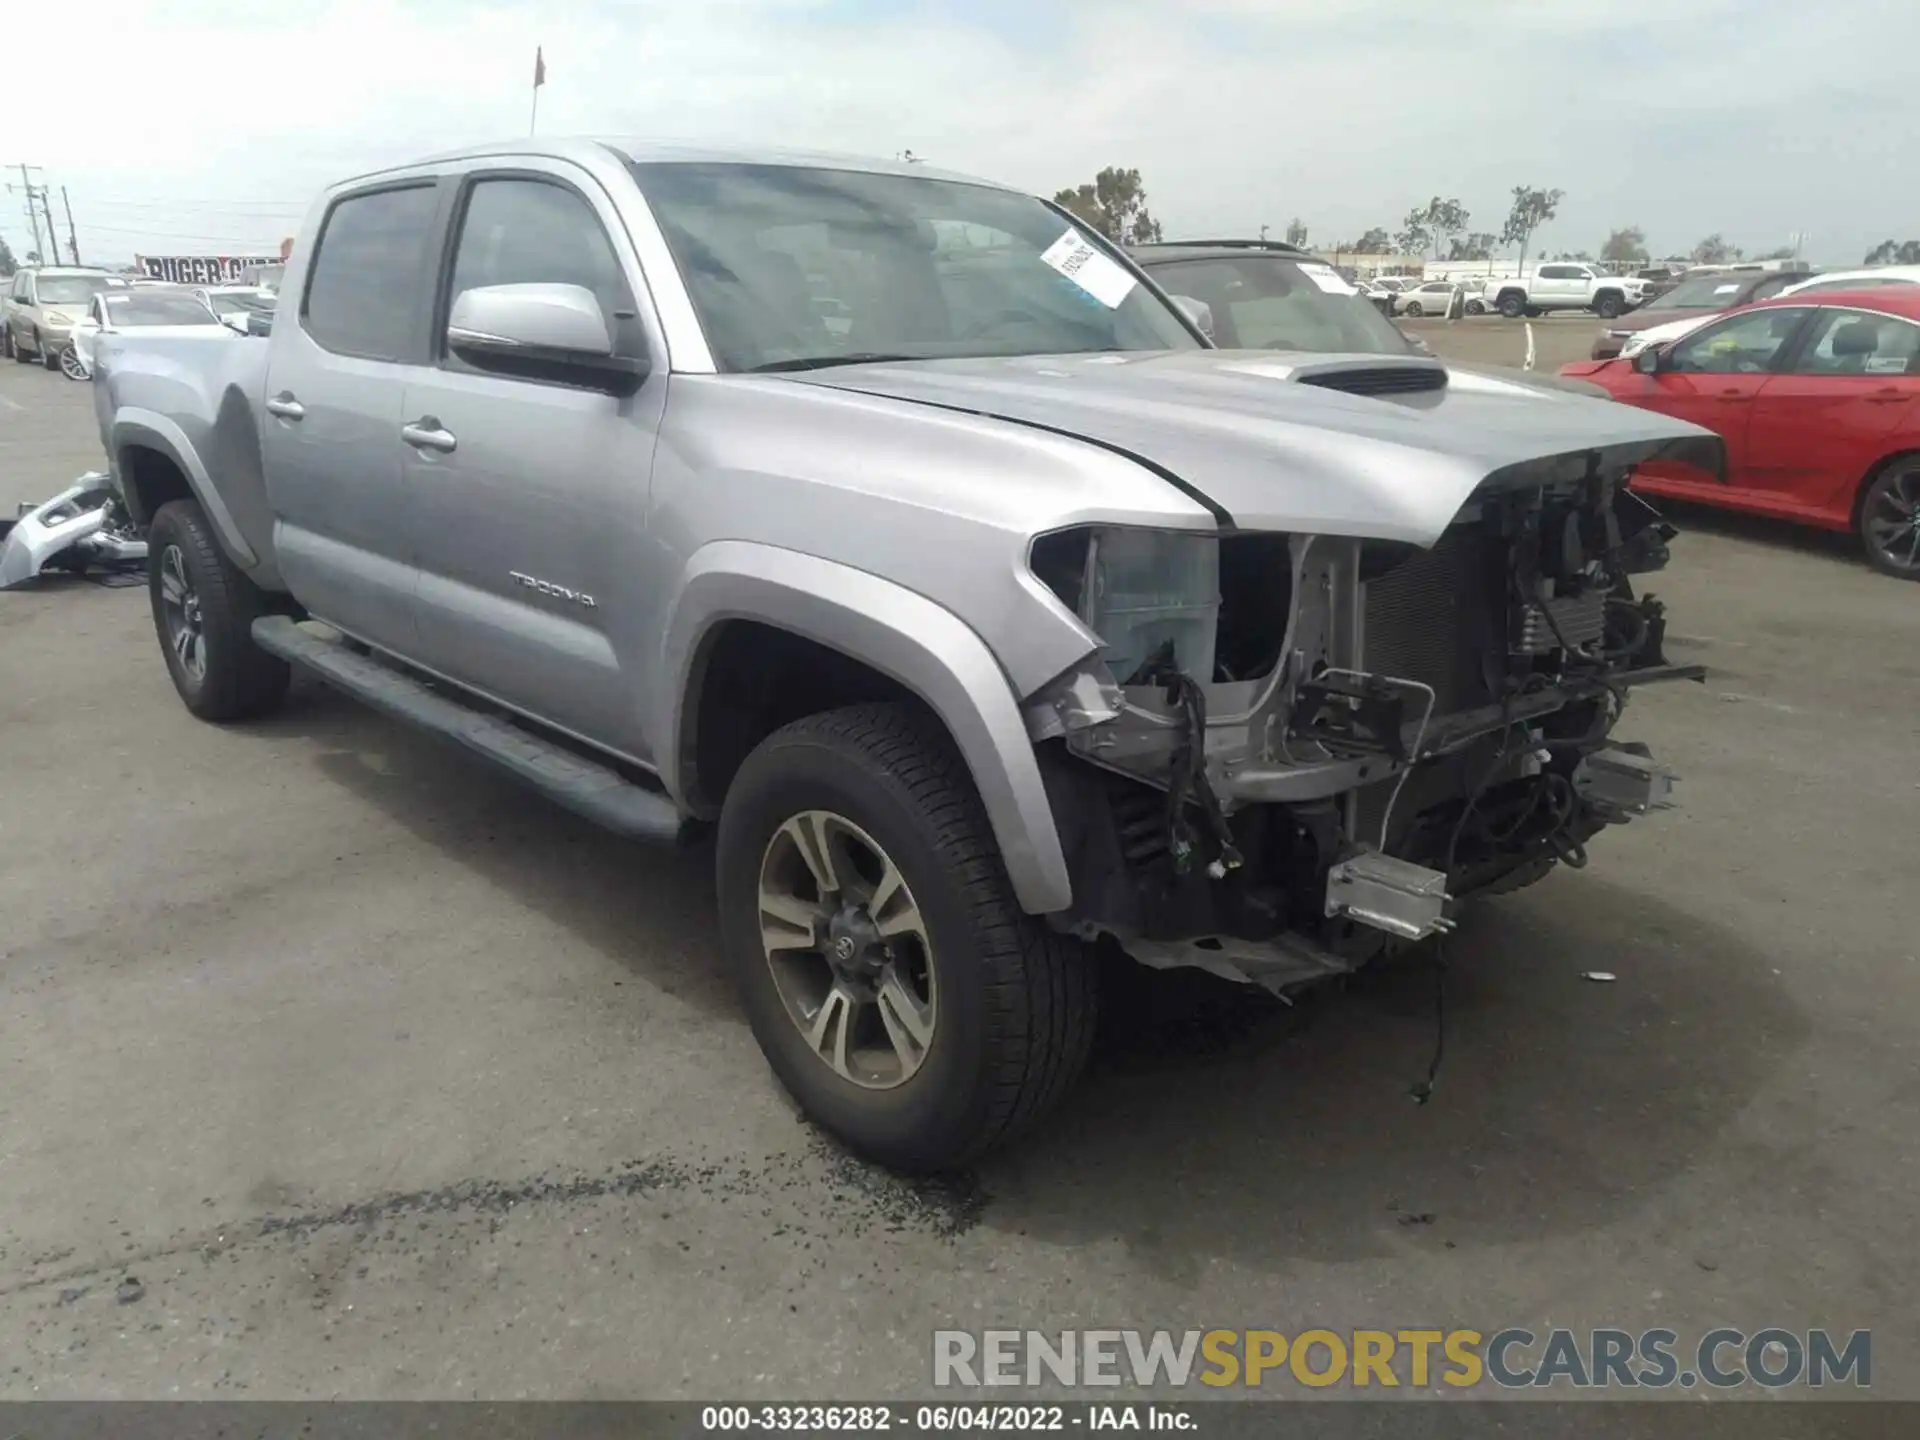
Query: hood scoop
point(1398, 379)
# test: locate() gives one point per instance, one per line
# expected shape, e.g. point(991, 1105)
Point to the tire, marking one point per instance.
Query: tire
point(1414, 312)
point(1513, 305)
point(1609, 304)
point(222, 675)
point(1009, 1005)
point(6, 342)
point(70, 365)
point(1476, 307)
point(1889, 519)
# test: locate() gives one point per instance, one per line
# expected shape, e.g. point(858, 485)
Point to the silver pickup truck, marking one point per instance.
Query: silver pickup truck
point(903, 532)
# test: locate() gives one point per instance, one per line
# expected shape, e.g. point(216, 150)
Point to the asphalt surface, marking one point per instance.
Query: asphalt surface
point(334, 1065)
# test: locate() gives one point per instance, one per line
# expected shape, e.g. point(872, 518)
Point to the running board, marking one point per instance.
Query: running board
point(595, 791)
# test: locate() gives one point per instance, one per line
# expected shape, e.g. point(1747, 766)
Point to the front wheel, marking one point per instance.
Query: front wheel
point(1609, 305)
point(895, 986)
point(1476, 307)
point(203, 612)
point(1414, 312)
point(71, 365)
point(1890, 520)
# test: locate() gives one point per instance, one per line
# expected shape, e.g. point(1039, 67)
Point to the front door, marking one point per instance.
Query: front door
point(1713, 377)
point(330, 434)
point(1827, 418)
point(530, 494)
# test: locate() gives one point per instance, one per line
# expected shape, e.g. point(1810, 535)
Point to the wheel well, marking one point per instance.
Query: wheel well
point(1874, 472)
point(149, 479)
point(750, 680)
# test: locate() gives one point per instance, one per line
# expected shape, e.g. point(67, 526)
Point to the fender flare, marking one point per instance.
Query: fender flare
point(907, 637)
point(148, 429)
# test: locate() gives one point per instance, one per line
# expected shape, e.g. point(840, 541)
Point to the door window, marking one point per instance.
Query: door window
point(1745, 345)
point(1856, 342)
point(365, 288)
point(525, 232)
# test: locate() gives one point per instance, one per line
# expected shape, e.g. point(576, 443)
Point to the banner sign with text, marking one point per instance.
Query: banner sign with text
point(201, 269)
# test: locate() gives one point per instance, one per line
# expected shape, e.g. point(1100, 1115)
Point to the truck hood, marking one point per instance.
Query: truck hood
point(1318, 444)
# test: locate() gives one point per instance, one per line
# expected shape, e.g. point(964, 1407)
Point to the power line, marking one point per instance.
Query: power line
point(268, 209)
point(168, 235)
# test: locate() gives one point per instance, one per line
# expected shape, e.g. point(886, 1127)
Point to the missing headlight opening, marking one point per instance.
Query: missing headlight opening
point(1293, 752)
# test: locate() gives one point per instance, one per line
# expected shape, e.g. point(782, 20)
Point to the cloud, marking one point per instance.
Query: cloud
point(207, 124)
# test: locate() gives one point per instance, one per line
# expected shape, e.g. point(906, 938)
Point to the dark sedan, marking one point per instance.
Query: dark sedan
point(1700, 295)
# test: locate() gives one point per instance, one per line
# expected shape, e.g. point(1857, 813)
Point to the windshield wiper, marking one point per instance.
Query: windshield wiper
point(821, 362)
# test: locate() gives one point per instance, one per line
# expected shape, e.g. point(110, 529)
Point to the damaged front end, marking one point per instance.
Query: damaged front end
point(83, 528)
point(1293, 752)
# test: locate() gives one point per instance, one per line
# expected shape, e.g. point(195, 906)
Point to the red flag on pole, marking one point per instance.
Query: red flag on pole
point(539, 68)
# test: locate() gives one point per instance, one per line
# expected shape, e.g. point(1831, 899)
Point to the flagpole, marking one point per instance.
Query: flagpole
point(534, 123)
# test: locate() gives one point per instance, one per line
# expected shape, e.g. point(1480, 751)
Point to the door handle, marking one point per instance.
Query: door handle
point(1734, 397)
point(1888, 396)
point(285, 406)
point(426, 434)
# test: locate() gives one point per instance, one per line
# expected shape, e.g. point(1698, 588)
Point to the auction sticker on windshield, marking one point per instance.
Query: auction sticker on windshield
point(1086, 267)
point(1327, 278)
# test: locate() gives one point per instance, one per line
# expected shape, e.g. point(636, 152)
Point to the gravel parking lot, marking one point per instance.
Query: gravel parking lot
point(337, 1066)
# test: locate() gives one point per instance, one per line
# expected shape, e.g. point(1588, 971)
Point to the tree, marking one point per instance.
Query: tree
point(7, 266)
point(1375, 242)
point(1626, 243)
point(1779, 252)
point(1442, 220)
point(1578, 255)
point(1531, 209)
point(1891, 252)
point(1297, 233)
point(1412, 240)
point(1476, 246)
point(1714, 250)
point(1115, 204)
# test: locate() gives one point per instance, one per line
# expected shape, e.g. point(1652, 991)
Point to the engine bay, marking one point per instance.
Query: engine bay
point(1382, 729)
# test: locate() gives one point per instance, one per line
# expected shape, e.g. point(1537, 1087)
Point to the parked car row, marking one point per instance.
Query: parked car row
point(56, 314)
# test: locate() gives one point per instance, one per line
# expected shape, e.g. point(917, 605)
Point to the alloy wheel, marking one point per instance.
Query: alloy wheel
point(1891, 520)
point(848, 948)
point(180, 604)
point(70, 365)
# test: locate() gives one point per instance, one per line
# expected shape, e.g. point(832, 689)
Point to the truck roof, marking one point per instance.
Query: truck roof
point(665, 152)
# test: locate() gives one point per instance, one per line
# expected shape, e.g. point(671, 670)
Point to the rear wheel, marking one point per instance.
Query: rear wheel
point(203, 612)
point(893, 982)
point(1513, 306)
point(1890, 519)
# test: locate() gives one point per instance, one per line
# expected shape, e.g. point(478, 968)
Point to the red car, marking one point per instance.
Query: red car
point(1818, 399)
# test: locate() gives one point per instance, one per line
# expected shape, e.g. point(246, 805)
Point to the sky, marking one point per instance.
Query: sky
point(205, 126)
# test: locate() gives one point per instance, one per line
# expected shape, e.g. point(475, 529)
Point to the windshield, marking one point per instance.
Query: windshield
point(791, 267)
point(238, 302)
point(67, 289)
point(1703, 292)
point(144, 307)
point(1264, 302)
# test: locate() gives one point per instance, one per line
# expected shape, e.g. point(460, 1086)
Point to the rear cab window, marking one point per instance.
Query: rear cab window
point(368, 287)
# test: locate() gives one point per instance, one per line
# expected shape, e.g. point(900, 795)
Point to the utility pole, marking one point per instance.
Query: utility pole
point(73, 241)
point(33, 215)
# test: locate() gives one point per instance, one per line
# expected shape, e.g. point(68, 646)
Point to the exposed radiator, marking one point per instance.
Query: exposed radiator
point(1580, 620)
point(1439, 618)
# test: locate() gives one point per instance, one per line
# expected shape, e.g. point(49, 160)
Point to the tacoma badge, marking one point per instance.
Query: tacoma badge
point(547, 587)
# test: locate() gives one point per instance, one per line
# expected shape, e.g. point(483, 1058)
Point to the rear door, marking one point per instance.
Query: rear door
point(531, 494)
point(1850, 384)
point(1713, 377)
point(336, 377)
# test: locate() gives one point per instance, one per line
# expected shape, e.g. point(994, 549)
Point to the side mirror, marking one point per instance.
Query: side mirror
point(1198, 311)
point(542, 331)
point(1647, 361)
